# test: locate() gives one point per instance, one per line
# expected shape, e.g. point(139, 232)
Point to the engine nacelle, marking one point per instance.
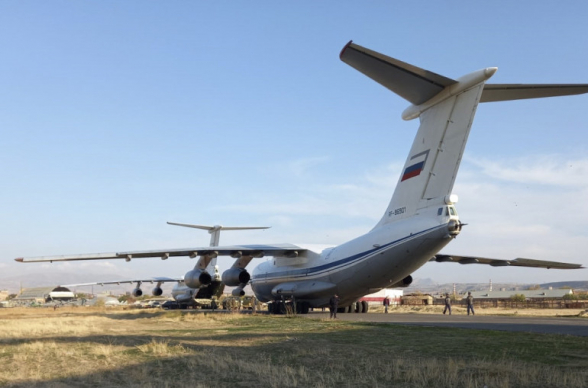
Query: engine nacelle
point(197, 278)
point(157, 291)
point(238, 291)
point(403, 283)
point(137, 292)
point(232, 277)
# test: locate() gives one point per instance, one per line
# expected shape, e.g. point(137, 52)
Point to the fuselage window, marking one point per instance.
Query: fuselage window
point(440, 211)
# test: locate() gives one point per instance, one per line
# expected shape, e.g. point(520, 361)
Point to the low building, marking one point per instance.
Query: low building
point(377, 298)
point(44, 295)
point(417, 300)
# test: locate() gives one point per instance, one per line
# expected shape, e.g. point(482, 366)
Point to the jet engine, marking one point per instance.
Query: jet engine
point(197, 278)
point(157, 291)
point(403, 283)
point(233, 277)
point(238, 291)
point(137, 292)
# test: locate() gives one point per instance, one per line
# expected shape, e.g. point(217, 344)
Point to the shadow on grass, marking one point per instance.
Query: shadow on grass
point(294, 351)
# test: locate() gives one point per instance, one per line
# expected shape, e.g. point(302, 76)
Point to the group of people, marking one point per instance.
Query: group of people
point(469, 302)
point(334, 304)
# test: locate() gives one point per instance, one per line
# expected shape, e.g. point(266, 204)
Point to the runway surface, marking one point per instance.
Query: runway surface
point(547, 325)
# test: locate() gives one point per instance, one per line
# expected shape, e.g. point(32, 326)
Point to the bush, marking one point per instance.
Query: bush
point(518, 298)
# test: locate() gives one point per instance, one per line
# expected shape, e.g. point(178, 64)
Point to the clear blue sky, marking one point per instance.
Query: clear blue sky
point(116, 117)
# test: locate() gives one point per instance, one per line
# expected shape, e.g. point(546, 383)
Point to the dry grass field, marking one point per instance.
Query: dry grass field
point(85, 347)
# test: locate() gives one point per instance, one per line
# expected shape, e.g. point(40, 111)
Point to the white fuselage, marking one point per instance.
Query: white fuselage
point(381, 258)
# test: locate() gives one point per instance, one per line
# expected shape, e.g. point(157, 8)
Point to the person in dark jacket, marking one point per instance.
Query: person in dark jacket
point(470, 302)
point(333, 305)
point(447, 304)
point(386, 304)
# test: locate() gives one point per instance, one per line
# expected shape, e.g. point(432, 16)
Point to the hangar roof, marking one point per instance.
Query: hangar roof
point(43, 292)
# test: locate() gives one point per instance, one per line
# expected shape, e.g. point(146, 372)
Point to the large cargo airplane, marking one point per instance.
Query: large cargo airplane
point(420, 220)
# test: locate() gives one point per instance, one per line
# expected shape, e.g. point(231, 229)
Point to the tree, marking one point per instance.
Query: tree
point(518, 298)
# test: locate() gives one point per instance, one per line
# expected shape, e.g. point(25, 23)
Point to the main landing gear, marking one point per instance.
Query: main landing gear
point(356, 307)
point(288, 306)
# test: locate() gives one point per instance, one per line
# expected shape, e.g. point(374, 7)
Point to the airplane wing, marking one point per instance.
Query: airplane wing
point(235, 251)
point(153, 280)
point(518, 262)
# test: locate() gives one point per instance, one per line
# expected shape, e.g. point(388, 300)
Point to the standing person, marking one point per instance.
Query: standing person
point(386, 304)
point(470, 301)
point(447, 304)
point(333, 305)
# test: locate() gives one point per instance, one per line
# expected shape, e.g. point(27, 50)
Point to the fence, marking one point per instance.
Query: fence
point(510, 304)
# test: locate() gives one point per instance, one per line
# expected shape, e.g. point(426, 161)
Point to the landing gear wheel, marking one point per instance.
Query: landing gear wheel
point(364, 306)
point(302, 307)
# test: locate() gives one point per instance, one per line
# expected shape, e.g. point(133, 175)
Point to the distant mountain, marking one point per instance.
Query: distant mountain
point(429, 286)
point(576, 285)
point(423, 282)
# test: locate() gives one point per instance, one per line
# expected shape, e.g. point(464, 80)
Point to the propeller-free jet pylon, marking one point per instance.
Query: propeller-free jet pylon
point(420, 220)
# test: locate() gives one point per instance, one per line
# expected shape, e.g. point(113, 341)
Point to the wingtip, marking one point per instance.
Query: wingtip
point(19, 259)
point(344, 48)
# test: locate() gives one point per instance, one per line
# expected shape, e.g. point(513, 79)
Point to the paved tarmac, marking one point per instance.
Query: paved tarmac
point(548, 325)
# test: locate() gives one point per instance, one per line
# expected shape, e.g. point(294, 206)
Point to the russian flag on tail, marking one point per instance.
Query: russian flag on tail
point(416, 165)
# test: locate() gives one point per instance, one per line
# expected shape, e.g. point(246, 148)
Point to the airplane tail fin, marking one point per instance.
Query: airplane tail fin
point(214, 232)
point(446, 109)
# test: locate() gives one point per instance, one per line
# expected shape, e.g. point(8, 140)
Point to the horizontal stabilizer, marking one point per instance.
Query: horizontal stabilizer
point(218, 227)
point(412, 83)
point(507, 92)
point(519, 262)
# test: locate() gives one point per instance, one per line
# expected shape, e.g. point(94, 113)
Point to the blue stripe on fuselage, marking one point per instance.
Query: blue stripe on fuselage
point(328, 266)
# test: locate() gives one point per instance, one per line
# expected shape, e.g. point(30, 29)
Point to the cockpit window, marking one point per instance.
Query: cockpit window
point(452, 211)
point(440, 211)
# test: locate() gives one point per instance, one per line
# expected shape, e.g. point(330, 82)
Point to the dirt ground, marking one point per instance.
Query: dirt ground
point(484, 311)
